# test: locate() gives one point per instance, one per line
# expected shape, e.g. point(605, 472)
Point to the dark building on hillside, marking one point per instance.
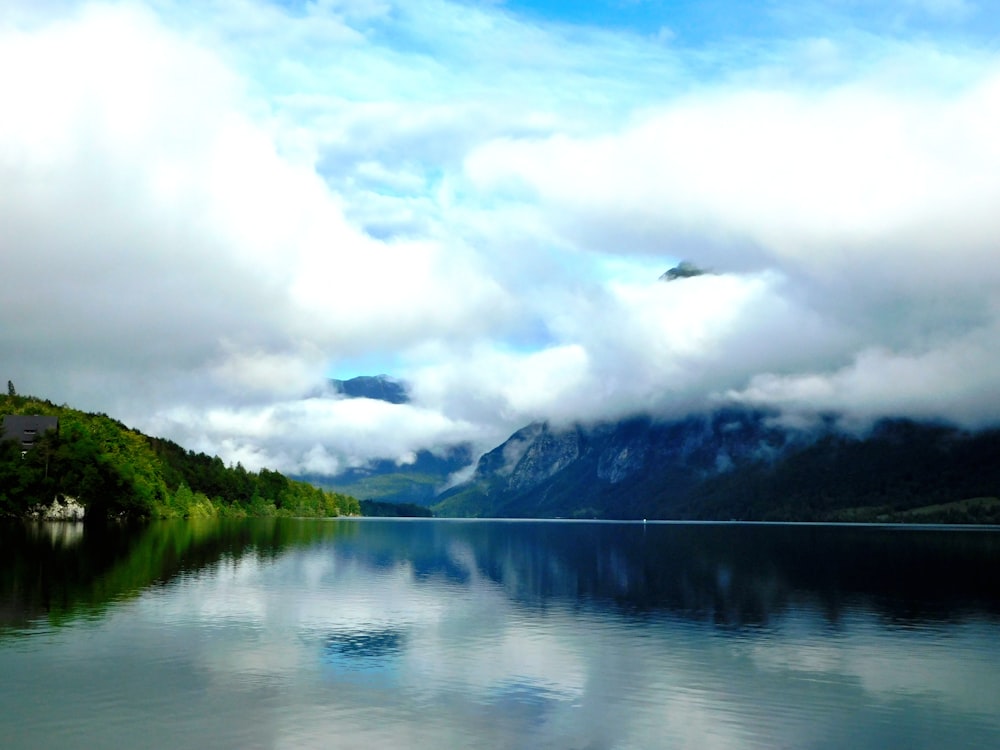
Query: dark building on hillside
point(27, 428)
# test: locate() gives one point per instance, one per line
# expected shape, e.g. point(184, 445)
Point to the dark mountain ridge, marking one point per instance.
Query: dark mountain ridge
point(378, 387)
point(736, 464)
point(607, 470)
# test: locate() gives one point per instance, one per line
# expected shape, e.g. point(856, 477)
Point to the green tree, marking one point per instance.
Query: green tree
point(10, 389)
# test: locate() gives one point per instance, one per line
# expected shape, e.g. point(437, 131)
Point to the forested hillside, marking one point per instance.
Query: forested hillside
point(114, 471)
point(902, 471)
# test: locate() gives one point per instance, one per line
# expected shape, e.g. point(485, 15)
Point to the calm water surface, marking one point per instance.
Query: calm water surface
point(447, 634)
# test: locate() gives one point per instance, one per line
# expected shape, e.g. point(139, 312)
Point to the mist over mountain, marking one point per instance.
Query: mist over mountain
point(415, 478)
point(736, 464)
point(610, 469)
point(418, 481)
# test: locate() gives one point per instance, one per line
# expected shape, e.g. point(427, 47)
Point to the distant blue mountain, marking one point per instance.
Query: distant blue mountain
point(384, 480)
point(378, 387)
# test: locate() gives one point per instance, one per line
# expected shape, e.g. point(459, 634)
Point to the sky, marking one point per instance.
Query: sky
point(208, 208)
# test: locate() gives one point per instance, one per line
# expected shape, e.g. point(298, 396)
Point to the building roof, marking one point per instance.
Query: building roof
point(26, 427)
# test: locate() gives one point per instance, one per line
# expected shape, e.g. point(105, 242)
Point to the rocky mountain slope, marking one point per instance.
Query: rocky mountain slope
point(735, 464)
point(610, 470)
point(730, 464)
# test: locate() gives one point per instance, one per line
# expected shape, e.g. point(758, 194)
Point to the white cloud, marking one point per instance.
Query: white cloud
point(143, 186)
point(318, 434)
point(957, 380)
point(855, 176)
point(225, 202)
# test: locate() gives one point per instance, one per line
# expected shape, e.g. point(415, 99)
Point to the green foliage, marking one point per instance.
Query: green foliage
point(116, 472)
point(375, 508)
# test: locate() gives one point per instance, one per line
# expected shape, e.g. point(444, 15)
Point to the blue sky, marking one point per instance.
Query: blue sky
point(694, 24)
point(690, 24)
point(236, 199)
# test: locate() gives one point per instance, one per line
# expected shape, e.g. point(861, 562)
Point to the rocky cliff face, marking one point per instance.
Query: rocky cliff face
point(738, 465)
point(599, 470)
point(543, 457)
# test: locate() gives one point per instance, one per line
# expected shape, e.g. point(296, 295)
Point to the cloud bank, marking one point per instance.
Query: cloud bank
point(208, 209)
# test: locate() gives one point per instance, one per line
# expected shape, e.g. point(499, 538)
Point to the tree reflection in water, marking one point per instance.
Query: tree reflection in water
point(732, 575)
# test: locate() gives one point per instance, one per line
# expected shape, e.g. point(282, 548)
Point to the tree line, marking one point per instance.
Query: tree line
point(115, 471)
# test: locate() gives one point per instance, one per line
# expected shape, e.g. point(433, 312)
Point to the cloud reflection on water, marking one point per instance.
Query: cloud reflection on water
point(434, 634)
point(511, 639)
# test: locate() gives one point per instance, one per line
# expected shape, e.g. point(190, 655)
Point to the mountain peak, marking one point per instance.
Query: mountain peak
point(377, 387)
point(683, 270)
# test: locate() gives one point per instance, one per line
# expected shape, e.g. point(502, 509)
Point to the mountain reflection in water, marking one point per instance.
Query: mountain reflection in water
point(728, 574)
point(364, 633)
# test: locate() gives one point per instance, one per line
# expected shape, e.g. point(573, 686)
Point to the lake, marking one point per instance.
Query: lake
point(372, 633)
